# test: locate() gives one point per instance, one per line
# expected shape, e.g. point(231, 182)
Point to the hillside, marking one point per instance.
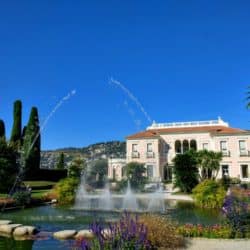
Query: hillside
point(96, 151)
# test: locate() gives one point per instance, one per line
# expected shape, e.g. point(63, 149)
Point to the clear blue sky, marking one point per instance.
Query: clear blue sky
point(183, 60)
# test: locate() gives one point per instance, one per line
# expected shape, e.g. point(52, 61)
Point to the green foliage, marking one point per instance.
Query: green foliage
point(2, 129)
point(17, 124)
point(22, 198)
point(185, 171)
point(135, 173)
point(65, 190)
point(209, 163)
point(209, 194)
point(60, 163)
point(32, 144)
point(76, 168)
point(97, 173)
point(214, 231)
point(8, 166)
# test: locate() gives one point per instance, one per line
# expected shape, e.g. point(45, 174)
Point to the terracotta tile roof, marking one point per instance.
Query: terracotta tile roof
point(215, 130)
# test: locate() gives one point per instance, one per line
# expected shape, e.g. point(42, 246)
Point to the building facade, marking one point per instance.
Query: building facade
point(157, 146)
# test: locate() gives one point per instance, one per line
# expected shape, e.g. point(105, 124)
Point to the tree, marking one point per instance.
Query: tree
point(16, 132)
point(60, 163)
point(2, 129)
point(185, 171)
point(8, 165)
point(208, 163)
point(135, 173)
point(76, 168)
point(97, 172)
point(32, 144)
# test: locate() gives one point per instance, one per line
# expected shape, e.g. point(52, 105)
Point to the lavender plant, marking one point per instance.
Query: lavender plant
point(237, 214)
point(127, 234)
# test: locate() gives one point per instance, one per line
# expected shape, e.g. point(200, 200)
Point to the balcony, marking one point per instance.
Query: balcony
point(150, 154)
point(226, 153)
point(135, 155)
point(244, 153)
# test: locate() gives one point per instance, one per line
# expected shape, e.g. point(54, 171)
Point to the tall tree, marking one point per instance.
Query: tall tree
point(8, 166)
point(135, 172)
point(16, 132)
point(185, 171)
point(2, 129)
point(32, 144)
point(60, 163)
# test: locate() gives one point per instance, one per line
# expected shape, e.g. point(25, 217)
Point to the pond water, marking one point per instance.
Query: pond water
point(51, 219)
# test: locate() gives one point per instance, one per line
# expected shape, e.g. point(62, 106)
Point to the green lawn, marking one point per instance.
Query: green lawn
point(39, 183)
point(39, 193)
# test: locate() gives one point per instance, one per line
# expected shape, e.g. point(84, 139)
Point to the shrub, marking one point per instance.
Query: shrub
point(209, 194)
point(214, 231)
point(161, 232)
point(65, 190)
point(22, 198)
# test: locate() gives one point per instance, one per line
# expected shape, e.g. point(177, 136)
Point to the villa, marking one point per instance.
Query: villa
point(157, 146)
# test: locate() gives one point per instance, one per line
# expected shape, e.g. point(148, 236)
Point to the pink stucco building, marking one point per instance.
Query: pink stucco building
point(158, 145)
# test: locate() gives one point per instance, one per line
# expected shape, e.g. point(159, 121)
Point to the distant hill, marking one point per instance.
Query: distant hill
point(102, 150)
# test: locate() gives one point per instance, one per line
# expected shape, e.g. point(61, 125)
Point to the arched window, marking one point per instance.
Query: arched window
point(178, 147)
point(185, 146)
point(193, 145)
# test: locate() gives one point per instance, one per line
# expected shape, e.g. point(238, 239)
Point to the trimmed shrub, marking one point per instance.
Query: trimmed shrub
point(48, 175)
point(209, 194)
point(161, 232)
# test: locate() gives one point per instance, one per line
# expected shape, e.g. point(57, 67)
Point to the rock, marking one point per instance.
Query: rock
point(5, 222)
point(24, 230)
point(84, 234)
point(65, 234)
point(8, 229)
point(106, 232)
point(31, 230)
point(54, 201)
point(20, 231)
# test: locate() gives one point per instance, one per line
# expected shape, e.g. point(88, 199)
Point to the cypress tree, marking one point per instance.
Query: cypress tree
point(60, 163)
point(32, 144)
point(2, 129)
point(16, 132)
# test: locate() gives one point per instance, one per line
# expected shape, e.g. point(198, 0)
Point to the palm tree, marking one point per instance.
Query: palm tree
point(208, 163)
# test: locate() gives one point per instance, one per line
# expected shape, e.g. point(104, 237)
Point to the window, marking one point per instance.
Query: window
point(149, 147)
point(193, 145)
point(134, 147)
point(185, 146)
point(178, 147)
point(223, 148)
point(150, 171)
point(225, 170)
point(205, 146)
point(242, 147)
point(244, 171)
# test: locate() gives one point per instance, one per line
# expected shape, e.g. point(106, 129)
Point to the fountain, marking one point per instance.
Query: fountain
point(82, 200)
point(105, 202)
point(129, 200)
point(157, 201)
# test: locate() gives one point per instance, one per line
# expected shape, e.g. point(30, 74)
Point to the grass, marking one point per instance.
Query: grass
point(39, 183)
point(38, 194)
